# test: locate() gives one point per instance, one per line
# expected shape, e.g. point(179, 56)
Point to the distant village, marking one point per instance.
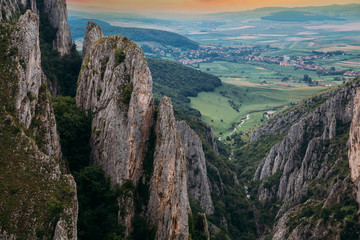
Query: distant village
point(254, 54)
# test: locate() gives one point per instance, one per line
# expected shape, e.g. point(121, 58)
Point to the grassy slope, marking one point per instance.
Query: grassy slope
point(78, 25)
point(179, 82)
point(32, 200)
point(253, 100)
point(337, 213)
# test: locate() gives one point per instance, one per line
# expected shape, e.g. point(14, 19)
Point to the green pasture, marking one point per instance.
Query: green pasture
point(227, 105)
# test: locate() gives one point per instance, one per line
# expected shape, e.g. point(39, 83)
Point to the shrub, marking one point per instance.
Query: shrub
point(120, 56)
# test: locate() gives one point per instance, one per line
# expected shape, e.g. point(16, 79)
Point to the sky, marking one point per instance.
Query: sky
point(195, 6)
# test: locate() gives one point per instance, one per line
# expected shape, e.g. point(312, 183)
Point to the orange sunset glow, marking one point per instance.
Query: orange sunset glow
point(196, 6)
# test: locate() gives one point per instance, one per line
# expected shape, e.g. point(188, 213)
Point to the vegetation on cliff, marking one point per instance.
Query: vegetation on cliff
point(33, 190)
point(97, 199)
point(61, 71)
point(179, 82)
point(164, 38)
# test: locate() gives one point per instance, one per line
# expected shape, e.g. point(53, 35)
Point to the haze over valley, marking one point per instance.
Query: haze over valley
point(260, 55)
point(179, 119)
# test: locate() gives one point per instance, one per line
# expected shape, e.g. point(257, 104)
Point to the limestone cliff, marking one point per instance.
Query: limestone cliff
point(354, 149)
point(168, 205)
point(293, 156)
point(31, 112)
point(309, 168)
point(9, 10)
point(56, 11)
point(197, 180)
point(38, 197)
point(92, 33)
point(115, 86)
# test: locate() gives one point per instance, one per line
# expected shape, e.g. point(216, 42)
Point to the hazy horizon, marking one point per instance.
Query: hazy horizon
point(193, 6)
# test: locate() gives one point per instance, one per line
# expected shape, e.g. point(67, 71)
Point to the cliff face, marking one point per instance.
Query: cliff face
point(115, 85)
point(293, 156)
point(309, 168)
point(197, 180)
point(32, 103)
point(38, 197)
point(56, 11)
point(354, 149)
point(168, 205)
point(92, 33)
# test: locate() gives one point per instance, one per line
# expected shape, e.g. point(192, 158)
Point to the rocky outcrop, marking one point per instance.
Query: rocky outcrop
point(283, 121)
point(38, 197)
point(29, 4)
point(308, 170)
point(294, 156)
point(56, 11)
point(9, 10)
point(354, 140)
point(202, 218)
point(197, 180)
point(115, 85)
point(32, 100)
point(58, 18)
point(168, 205)
point(92, 33)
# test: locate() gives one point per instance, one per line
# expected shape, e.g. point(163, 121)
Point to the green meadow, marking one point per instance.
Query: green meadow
point(229, 104)
point(253, 89)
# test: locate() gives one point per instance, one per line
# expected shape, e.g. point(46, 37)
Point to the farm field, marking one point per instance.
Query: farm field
point(229, 104)
point(254, 88)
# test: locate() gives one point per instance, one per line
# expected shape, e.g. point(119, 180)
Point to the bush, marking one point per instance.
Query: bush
point(141, 229)
point(119, 56)
point(75, 129)
point(98, 206)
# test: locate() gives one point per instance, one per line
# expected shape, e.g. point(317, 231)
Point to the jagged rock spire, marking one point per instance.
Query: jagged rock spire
point(92, 33)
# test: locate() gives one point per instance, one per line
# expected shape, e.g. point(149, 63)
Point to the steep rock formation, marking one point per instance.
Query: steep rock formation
point(31, 85)
point(204, 223)
point(354, 149)
point(197, 180)
point(115, 86)
point(58, 18)
point(294, 154)
point(168, 205)
point(308, 168)
point(30, 5)
point(38, 197)
point(9, 10)
point(92, 33)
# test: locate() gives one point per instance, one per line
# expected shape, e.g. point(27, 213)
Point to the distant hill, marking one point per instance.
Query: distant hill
point(165, 38)
point(314, 13)
point(298, 16)
point(179, 82)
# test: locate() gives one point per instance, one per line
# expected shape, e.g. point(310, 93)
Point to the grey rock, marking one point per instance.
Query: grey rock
point(202, 217)
point(119, 96)
point(34, 116)
point(310, 154)
point(32, 94)
point(168, 205)
point(9, 10)
point(215, 187)
point(197, 180)
point(354, 140)
point(58, 18)
point(294, 155)
point(92, 33)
